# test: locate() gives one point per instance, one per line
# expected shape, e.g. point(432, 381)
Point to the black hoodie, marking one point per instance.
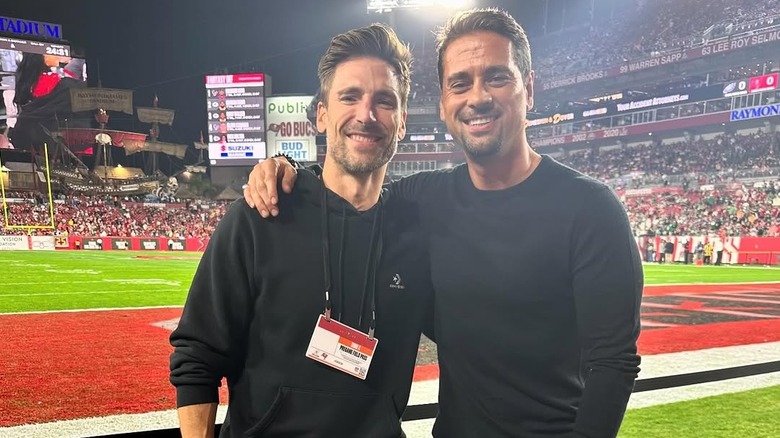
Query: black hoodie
point(256, 297)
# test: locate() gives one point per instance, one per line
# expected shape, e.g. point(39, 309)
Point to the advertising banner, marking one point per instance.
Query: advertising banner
point(755, 112)
point(149, 245)
point(119, 243)
point(14, 243)
point(90, 243)
point(42, 243)
point(289, 130)
point(190, 244)
point(61, 242)
point(176, 244)
point(641, 129)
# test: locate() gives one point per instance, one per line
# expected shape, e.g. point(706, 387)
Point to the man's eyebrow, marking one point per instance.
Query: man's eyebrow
point(498, 69)
point(349, 90)
point(387, 93)
point(459, 76)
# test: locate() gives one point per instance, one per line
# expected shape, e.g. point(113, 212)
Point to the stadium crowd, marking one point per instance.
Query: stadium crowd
point(707, 193)
point(675, 25)
point(720, 159)
point(744, 211)
point(111, 216)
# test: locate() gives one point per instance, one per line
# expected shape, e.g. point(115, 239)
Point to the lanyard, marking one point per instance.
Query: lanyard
point(372, 265)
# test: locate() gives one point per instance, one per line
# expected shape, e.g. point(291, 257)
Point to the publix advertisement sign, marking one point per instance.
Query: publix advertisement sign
point(288, 129)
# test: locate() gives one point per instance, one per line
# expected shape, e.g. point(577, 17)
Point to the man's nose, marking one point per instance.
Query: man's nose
point(366, 113)
point(480, 97)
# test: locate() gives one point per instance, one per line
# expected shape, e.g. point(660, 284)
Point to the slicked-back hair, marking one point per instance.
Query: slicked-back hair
point(376, 40)
point(485, 20)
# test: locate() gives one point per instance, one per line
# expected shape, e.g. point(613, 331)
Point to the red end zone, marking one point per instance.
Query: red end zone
point(67, 365)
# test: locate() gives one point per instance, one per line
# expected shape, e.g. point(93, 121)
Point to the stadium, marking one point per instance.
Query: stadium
point(110, 194)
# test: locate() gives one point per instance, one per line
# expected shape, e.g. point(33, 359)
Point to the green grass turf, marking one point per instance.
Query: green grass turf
point(690, 274)
point(34, 281)
point(41, 280)
point(753, 414)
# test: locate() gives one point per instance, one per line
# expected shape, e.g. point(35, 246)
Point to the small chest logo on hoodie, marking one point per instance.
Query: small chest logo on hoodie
point(397, 283)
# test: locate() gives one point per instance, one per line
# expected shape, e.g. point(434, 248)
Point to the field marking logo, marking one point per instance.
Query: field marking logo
point(74, 271)
point(168, 324)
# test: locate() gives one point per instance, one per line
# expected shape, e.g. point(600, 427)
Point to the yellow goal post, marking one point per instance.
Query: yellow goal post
point(29, 227)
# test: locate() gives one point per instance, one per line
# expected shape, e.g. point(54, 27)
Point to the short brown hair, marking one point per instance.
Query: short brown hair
point(485, 20)
point(376, 40)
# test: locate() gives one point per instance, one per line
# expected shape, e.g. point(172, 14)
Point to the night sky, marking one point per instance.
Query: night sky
point(165, 47)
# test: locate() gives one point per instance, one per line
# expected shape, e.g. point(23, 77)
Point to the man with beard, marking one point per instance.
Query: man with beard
point(537, 277)
point(314, 317)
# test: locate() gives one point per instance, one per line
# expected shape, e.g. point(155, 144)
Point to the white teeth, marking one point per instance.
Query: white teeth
point(480, 121)
point(363, 138)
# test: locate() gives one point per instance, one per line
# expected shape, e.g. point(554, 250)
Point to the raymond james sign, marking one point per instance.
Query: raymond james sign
point(755, 112)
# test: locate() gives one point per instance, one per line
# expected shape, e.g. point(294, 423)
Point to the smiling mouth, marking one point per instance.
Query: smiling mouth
point(364, 138)
point(480, 121)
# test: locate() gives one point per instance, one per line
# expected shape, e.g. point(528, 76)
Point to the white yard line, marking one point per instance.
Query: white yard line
point(99, 309)
point(733, 283)
point(92, 292)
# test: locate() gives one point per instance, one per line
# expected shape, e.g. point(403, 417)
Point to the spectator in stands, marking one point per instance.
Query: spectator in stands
point(249, 317)
point(486, 223)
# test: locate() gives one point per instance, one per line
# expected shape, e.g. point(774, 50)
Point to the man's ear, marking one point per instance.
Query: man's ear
point(402, 127)
point(529, 90)
point(322, 117)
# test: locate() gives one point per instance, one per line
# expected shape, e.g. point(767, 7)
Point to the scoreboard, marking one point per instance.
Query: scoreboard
point(756, 84)
point(236, 119)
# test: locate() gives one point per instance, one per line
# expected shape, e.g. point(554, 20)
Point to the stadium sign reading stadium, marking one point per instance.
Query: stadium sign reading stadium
point(755, 112)
point(29, 28)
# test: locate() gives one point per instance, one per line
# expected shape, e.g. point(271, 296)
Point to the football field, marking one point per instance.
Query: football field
point(85, 342)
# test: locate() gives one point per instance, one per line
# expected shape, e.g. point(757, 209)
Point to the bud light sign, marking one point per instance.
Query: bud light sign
point(289, 130)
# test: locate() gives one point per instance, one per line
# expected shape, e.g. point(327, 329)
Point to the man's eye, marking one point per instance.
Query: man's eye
point(458, 86)
point(500, 79)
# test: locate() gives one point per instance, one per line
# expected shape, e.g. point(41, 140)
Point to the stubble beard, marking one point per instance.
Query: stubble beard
point(477, 149)
point(362, 166)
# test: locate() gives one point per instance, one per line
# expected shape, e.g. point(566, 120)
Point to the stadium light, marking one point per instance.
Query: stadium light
point(382, 6)
point(454, 4)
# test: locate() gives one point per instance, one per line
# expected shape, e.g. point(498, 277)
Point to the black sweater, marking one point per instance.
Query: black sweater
point(254, 303)
point(537, 290)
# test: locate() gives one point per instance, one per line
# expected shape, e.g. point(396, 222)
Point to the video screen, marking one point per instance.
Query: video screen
point(236, 119)
point(39, 69)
